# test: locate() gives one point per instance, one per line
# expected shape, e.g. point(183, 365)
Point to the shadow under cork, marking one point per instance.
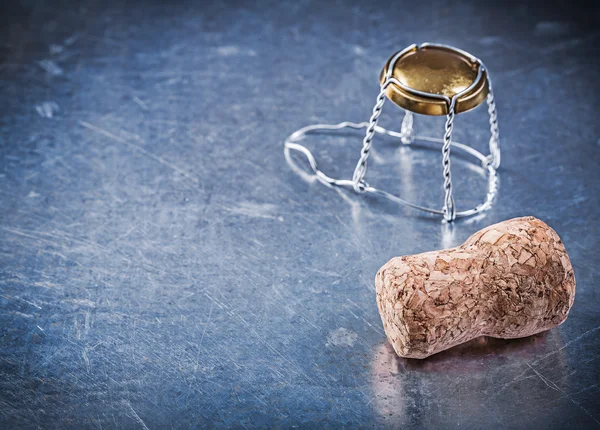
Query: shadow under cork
point(477, 349)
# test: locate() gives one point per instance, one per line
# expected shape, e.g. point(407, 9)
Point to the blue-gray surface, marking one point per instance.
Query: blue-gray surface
point(161, 265)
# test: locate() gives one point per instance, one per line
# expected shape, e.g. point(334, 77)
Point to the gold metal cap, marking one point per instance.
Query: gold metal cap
point(426, 77)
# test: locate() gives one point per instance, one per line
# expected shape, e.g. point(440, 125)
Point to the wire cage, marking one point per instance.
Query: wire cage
point(428, 79)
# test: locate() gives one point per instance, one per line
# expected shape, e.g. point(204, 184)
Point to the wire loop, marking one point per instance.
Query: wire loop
point(292, 144)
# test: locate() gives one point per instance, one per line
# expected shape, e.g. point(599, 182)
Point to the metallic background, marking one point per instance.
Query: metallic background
point(161, 265)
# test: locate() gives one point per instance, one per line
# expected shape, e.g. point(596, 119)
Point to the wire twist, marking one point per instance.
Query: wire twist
point(449, 208)
point(358, 177)
point(407, 130)
point(495, 133)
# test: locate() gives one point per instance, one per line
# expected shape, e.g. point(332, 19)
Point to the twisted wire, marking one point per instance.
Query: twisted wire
point(407, 131)
point(449, 209)
point(495, 137)
point(361, 167)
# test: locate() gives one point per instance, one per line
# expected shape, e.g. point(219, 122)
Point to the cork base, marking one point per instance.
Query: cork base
point(509, 280)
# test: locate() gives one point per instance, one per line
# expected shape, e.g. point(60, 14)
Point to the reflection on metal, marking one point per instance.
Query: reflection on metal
point(401, 385)
point(432, 80)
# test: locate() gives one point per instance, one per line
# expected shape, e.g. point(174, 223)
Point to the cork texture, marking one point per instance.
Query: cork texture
point(509, 280)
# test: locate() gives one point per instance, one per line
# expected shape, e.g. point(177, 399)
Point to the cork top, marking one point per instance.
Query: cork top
point(430, 75)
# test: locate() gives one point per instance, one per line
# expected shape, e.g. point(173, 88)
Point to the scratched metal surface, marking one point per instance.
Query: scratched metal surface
point(162, 266)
